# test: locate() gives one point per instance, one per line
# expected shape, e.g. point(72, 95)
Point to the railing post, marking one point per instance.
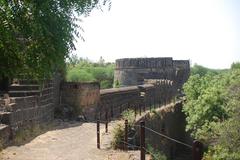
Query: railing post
point(112, 111)
point(140, 109)
point(98, 134)
point(100, 114)
point(126, 136)
point(150, 105)
point(155, 104)
point(144, 108)
point(197, 150)
point(106, 119)
point(142, 140)
point(135, 111)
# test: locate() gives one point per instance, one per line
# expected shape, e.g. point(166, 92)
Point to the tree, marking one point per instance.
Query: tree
point(37, 36)
point(212, 112)
point(235, 65)
point(202, 71)
point(86, 71)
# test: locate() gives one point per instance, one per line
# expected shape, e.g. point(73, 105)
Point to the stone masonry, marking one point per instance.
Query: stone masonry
point(133, 71)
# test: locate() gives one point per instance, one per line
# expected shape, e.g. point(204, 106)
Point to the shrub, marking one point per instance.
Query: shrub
point(118, 136)
point(129, 114)
point(219, 153)
point(119, 129)
point(78, 75)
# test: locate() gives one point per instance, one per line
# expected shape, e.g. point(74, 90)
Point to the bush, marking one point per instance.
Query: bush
point(129, 114)
point(118, 136)
point(119, 130)
point(79, 75)
point(213, 111)
point(219, 153)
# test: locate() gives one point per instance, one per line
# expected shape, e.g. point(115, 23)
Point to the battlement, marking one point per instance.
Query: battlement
point(144, 62)
point(181, 64)
point(133, 71)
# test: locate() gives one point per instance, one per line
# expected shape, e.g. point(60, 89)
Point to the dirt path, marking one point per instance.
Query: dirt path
point(75, 141)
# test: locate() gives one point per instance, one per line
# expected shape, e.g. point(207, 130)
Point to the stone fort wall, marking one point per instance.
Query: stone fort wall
point(163, 77)
point(84, 97)
point(133, 71)
point(153, 94)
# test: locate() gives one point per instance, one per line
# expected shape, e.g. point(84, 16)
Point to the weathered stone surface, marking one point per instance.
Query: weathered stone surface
point(24, 109)
point(5, 134)
point(133, 71)
point(81, 96)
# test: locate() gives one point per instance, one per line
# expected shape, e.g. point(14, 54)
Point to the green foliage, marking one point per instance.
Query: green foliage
point(119, 129)
point(118, 136)
point(37, 36)
point(116, 84)
point(129, 114)
point(205, 103)
point(213, 111)
point(79, 75)
point(155, 154)
point(83, 70)
point(220, 153)
point(235, 65)
point(202, 71)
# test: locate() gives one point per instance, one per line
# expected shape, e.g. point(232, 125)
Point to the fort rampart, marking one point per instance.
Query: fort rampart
point(144, 82)
point(133, 71)
point(115, 100)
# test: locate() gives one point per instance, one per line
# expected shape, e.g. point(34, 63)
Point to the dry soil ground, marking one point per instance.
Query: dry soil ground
point(69, 141)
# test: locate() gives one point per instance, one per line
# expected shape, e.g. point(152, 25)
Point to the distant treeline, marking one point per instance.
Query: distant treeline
point(213, 110)
point(84, 70)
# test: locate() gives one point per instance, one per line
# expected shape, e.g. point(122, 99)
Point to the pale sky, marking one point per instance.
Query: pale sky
point(206, 32)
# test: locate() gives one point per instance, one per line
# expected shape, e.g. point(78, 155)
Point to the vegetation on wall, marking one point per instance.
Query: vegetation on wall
point(83, 70)
point(213, 110)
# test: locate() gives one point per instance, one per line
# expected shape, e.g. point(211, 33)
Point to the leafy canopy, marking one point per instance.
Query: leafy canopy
point(212, 111)
point(37, 36)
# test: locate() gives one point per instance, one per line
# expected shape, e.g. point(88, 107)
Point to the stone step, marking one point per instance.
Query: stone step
point(34, 82)
point(26, 81)
point(24, 93)
point(26, 87)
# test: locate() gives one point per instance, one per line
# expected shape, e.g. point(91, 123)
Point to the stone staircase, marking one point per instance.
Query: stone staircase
point(7, 105)
point(24, 88)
